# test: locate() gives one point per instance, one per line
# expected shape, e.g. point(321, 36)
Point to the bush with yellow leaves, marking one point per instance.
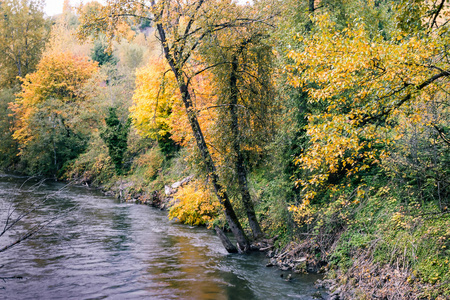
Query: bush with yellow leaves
point(194, 204)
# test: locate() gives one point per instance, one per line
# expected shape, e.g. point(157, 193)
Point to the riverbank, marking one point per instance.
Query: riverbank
point(375, 247)
point(373, 240)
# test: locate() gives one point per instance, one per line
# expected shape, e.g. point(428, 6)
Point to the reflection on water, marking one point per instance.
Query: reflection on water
point(106, 249)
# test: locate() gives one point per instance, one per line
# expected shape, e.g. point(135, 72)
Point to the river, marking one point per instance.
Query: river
point(100, 248)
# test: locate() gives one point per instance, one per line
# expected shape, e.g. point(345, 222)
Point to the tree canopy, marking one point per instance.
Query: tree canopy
point(23, 33)
point(46, 107)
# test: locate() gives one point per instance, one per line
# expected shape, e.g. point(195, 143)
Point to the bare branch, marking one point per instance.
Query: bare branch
point(11, 222)
point(222, 105)
point(205, 69)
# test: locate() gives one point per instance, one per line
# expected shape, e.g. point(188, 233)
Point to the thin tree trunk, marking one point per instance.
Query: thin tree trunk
point(311, 9)
point(240, 167)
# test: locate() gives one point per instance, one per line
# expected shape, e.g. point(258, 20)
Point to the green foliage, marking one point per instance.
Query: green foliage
point(58, 143)
point(410, 15)
point(147, 165)
point(94, 166)
point(168, 146)
point(144, 24)
point(100, 54)
point(272, 192)
point(420, 157)
point(8, 147)
point(23, 33)
point(115, 136)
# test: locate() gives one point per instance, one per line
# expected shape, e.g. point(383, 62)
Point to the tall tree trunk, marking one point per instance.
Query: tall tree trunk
point(311, 9)
point(311, 6)
point(221, 194)
point(240, 167)
point(232, 219)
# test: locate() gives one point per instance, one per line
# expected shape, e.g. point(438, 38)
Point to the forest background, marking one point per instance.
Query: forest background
point(322, 123)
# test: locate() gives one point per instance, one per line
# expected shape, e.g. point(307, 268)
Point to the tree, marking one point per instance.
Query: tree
point(181, 28)
point(153, 104)
point(153, 100)
point(365, 83)
point(48, 111)
point(115, 136)
point(100, 54)
point(242, 79)
point(23, 33)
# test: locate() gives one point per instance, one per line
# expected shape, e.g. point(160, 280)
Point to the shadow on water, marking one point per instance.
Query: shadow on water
point(107, 249)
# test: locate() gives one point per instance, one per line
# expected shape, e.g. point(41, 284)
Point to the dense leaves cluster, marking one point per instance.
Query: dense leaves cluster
point(115, 136)
point(47, 111)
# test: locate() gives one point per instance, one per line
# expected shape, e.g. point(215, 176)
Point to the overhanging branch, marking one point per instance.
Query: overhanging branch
point(370, 118)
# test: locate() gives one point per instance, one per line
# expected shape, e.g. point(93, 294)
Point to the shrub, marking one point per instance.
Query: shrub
point(194, 204)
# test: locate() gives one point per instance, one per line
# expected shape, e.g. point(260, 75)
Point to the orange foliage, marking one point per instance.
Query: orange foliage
point(59, 76)
point(158, 110)
point(203, 99)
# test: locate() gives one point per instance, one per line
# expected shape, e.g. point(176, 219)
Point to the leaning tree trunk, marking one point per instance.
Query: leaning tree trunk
point(239, 163)
point(221, 194)
point(225, 241)
point(175, 63)
point(311, 6)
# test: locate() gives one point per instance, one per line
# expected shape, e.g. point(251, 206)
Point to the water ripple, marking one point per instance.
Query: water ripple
point(109, 250)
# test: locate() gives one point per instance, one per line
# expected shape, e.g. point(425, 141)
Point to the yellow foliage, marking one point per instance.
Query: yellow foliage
point(366, 83)
point(194, 204)
point(153, 100)
point(303, 214)
point(158, 110)
point(60, 76)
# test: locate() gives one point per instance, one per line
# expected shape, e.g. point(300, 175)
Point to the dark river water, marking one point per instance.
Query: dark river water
point(99, 248)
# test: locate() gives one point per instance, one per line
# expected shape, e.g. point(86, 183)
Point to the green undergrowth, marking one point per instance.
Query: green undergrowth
point(145, 168)
point(93, 167)
point(383, 234)
point(272, 193)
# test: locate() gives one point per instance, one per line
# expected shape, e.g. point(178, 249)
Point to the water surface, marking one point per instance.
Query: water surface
point(100, 248)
